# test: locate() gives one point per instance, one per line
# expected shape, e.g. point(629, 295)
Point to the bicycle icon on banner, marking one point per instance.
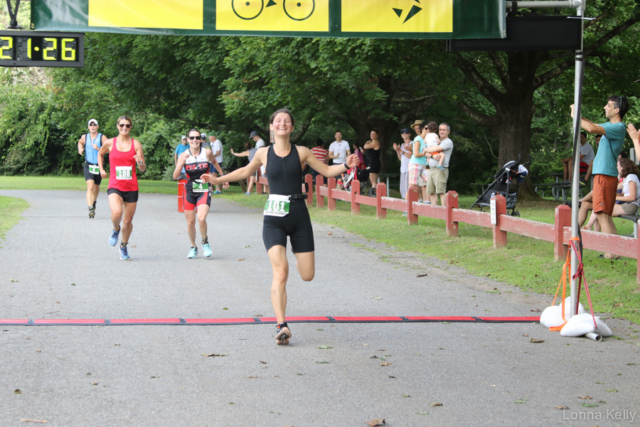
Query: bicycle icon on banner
point(298, 10)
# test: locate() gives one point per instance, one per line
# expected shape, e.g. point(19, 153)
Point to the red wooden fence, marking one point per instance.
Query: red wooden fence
point(558, 233)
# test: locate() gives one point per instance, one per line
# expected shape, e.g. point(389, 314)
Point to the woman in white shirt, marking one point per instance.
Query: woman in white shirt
point(628, 199)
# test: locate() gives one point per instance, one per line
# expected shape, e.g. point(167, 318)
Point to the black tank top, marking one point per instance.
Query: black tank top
point(284, 173)
point(373, 156)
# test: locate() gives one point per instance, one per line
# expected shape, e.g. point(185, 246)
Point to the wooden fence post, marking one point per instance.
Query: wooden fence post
point(331, 202)
point(499, 236)
point(412, 196)
point(355, 190)
point(319, 197)
point(563, 219)
point(308, 180)
point(451, 200)
point(381, 191)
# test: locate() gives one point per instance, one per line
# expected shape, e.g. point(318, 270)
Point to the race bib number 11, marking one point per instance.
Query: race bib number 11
point(277, 205)
point(123, 172)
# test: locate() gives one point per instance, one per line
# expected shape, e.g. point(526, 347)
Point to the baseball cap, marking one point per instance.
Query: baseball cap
point(203, 135)
point(405, 130)
point(254, 133)
point(184, 136)
point(92, 121)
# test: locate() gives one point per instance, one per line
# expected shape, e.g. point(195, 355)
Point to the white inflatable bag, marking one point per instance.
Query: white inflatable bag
point(552, 316)
point(582, 324)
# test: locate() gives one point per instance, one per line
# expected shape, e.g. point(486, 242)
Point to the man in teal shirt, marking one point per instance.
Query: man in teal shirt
point(605, 172)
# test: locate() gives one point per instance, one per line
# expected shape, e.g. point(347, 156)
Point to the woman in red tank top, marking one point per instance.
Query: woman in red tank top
point(125, 153)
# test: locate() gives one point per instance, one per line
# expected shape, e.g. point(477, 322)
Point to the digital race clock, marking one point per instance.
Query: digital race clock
point(40, 49)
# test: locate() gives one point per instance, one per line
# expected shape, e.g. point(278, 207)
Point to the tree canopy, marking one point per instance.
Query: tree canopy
point(499, 104)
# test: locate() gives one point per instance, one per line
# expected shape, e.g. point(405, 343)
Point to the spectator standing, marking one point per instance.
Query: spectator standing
point(181, 148)
point(418, 162)
point(339, 150)
point(259, 144)
point(586, 157)
point(438, 177)
point(216, 151)
point(605, 171)
point(372, 159)
point(250, 153)
point(404, 154)
point(320, 153)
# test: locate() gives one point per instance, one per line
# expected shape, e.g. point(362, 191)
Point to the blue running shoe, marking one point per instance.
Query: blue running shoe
point(124, 253)
point(192, 252)
point(247, 193)
point(113, 240)
point(206, 250)
point(217, 192)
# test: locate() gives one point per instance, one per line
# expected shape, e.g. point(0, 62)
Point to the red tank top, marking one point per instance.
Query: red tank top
point(122, 174)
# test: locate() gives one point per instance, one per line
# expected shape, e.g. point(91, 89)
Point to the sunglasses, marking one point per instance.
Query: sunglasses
point(125, 125)
point(195, 137)
point(93, 124)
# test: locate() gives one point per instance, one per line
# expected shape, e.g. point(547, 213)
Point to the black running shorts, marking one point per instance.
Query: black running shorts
point(127, 196)
point(296, 225)
point(88, 176)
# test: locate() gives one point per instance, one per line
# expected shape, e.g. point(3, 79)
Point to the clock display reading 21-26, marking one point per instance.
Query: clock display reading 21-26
point(40, 49)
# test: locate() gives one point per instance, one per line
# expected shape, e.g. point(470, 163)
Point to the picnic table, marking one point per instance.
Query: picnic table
point(558, 188)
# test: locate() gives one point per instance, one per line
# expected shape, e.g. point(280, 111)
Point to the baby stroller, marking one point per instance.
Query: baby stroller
point(361, 175)
point(506, 183)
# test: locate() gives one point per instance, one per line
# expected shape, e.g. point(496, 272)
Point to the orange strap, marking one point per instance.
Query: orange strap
point(566, 272)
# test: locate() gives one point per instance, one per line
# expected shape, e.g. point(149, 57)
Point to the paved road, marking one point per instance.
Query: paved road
point(56, 263)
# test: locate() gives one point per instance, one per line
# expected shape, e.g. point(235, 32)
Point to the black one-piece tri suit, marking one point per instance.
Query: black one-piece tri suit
point(286, 179)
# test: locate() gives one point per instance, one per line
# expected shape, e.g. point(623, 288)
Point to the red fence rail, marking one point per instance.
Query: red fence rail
point(558, 233)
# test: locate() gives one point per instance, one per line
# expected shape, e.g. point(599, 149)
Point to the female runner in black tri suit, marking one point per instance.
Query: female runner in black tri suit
point(286, 212)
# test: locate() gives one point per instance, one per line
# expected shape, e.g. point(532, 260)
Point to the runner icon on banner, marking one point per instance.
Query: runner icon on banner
point(272, 15)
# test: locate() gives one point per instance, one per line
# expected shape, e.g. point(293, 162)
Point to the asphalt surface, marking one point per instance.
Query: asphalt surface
point(57, 264)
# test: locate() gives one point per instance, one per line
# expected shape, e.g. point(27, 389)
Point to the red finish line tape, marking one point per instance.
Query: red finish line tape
point(267, 320)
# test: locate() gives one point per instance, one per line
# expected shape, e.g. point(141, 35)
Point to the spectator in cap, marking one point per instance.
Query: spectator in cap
point(181, 148)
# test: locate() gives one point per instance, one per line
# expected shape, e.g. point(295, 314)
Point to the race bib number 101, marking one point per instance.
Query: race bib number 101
point(277, 205)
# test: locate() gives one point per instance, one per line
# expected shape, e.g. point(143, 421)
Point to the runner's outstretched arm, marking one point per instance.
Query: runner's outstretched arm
point(329, 171)
point(239, 174)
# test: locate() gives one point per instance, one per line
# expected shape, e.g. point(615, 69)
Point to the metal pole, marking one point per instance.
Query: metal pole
point(575, 186)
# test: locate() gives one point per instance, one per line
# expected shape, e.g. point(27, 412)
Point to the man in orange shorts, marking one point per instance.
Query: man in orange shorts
point(605, 172)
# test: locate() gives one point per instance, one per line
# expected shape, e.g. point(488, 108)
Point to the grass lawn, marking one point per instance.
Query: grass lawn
point(525, 262)
point(10, 210)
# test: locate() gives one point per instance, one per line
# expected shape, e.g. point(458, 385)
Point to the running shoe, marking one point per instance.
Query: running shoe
point(193, 252)
point(404, 214)
point(217, 192)
point(247, 193)
point(124, 253)
point(282, 338)
point(206, 250)
point(92, 212)
point(113, 240)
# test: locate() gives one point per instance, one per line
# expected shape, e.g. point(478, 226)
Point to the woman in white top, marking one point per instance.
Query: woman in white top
point(628, 200)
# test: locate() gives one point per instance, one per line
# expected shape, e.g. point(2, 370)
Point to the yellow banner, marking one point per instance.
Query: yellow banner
point(273, 15)
point(397, 16)
point(175, 14)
